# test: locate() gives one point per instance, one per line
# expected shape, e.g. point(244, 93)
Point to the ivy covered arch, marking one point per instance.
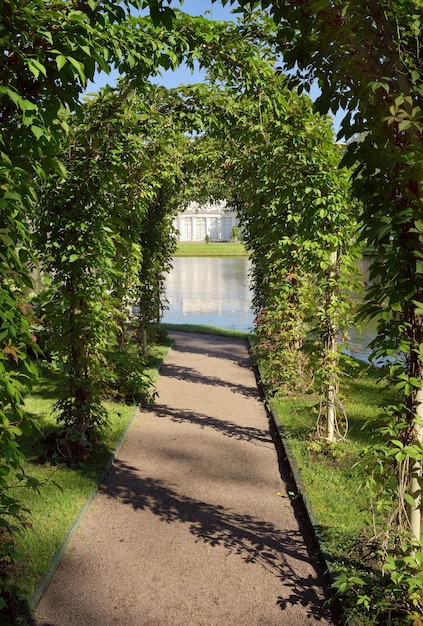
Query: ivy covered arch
point(44, 72)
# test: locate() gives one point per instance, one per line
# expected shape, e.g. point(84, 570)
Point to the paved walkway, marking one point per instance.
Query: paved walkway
point(193, 526)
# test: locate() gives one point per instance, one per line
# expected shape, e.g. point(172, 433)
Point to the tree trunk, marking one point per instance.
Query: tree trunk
point(414, 511)
point(330, 412)
point(144, 343)
point(331, 353)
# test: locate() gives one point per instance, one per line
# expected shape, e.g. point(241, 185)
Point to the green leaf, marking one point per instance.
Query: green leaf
point(78, 66)
point(60, 61)
point(397, 443)
point(374, 86)
point(409, 499)
point(36, 67)
point(15, 97)
point(37, 131)
point(404, 125)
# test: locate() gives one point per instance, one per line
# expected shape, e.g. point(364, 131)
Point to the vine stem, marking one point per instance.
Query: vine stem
point(416, 474)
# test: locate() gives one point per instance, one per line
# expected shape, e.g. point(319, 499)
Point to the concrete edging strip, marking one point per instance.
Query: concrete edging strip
point(300, 487)
point(55, 561)
point(296, 475)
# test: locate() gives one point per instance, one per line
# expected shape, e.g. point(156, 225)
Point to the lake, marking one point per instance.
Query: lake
point(215, 291)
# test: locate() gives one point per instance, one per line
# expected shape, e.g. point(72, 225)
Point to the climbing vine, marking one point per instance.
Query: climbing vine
point(365, 57)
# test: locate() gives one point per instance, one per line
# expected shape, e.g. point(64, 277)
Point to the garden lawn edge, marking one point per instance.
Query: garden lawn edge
point(296, 475)
point(55, 561)
point(300, 487)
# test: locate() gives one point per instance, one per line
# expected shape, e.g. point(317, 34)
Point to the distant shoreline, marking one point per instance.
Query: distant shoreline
point(211, 249)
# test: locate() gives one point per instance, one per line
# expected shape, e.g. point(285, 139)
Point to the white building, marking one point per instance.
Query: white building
point(214, 219)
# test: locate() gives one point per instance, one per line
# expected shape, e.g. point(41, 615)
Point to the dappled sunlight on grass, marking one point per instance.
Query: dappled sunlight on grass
point(334, 475)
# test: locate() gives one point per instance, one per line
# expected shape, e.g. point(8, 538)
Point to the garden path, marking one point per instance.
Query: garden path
point(194, 524)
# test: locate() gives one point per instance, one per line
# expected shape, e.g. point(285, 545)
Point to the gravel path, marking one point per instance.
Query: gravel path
point(194, 525)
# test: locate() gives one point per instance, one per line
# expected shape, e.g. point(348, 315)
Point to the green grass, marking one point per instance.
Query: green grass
point(208, 330)
point(211, 249)
point(334, 475)
point(54, 509)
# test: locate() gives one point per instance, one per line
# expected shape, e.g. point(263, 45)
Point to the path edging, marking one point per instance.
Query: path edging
point(45, 581)
point(299, 485)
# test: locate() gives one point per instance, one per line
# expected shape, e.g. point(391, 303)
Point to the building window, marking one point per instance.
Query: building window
point(200, 228)
point(226, 228)
point(214, 229)
point(187, 229)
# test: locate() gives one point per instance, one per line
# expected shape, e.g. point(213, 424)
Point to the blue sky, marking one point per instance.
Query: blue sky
point(211, 10)
point(171, 79)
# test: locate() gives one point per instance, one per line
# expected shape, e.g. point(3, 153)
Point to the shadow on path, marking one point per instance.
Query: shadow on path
point(191, 375)
point(253, 540)
point(213, 346)
point(225, 427)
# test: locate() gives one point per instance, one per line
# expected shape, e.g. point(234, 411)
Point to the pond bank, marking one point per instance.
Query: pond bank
point(221, 249)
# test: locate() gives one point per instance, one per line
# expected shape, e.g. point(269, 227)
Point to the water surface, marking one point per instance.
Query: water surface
point(214, 291)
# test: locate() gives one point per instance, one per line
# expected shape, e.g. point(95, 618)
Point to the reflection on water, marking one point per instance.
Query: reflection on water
point(209, 290)
point(359, 339)
point(215, 291)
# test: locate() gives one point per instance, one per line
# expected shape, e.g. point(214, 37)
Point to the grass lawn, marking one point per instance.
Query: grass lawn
point(54, 509)
point(211, 249)
point(334, 475)
point(208, 330)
